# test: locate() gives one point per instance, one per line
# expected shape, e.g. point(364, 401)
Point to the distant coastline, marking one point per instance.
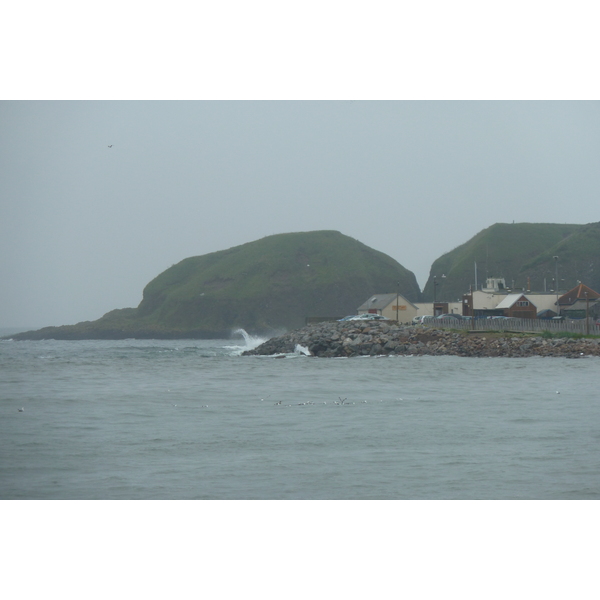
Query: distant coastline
point(87, 331)
point(8, 331)
point(272, 284)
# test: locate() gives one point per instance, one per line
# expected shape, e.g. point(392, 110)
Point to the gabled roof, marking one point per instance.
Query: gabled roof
point(380, 301)
point(511, 299)
point(578, 293)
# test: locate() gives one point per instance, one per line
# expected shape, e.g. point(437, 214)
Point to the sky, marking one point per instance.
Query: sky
point(84, 226)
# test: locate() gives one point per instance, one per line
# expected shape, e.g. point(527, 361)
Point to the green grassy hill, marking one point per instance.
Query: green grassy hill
point(578, 260)
point(270, 284)
point(275, 282)
point(515, 251)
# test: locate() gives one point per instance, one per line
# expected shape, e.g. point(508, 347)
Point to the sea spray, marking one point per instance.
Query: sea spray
point(301, 350)
point(251, 341)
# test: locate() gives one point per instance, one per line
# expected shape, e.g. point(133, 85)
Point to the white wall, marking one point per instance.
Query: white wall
point(426, 308)
point(543, 301)
point(406, 311)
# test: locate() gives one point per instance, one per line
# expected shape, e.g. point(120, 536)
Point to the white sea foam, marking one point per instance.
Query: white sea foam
point(251, 341)
point(301, 350)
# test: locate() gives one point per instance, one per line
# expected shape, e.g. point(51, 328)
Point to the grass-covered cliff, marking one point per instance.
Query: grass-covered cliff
point(273, 282)
point(520, 253)
point(578, 260)
point(270, 284)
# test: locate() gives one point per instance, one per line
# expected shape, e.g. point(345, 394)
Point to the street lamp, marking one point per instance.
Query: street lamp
point(587, 314)
point(397, 296)
point(556, 284)
point(435, 285)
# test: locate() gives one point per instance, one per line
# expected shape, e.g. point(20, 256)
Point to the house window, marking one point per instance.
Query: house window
point(522, 303)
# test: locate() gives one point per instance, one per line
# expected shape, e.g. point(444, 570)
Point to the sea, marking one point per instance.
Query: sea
point(196, 420)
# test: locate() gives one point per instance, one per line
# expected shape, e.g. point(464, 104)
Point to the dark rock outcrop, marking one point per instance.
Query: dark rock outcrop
point(364, 338)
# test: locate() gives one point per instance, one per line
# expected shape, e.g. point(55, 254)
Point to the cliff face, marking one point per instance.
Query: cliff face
point(263, 286)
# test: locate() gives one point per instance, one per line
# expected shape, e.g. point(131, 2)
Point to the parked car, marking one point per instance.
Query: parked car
point(420, 319)
point(368, 317)
point(503, 318)
point(453, 316)
point(348, 318)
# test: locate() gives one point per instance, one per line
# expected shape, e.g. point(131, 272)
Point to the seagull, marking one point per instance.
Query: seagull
point(21, 410)
point(111, 146)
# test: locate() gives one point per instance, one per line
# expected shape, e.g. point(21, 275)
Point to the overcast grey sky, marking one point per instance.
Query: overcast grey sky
point(84, 227)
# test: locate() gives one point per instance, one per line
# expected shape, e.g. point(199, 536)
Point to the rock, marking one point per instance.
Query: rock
point(345, 340)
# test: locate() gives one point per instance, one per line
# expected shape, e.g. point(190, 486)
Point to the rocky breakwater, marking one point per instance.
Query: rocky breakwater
point(364, 338)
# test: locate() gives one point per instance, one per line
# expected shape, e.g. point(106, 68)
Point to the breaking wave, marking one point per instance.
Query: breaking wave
point(250, 341)
point(301, 350)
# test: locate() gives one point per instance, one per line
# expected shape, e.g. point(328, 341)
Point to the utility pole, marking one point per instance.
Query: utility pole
point(397, 296)
point(556, 284)
point(587, 314)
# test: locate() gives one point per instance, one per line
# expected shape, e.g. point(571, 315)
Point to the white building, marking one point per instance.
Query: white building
point(426, 308)
point(391, 306)
point(486, 301)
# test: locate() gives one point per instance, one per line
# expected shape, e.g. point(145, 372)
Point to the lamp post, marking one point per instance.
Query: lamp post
point(587, 314)
point(435, 285)
point(556, 284)
point(397, 296)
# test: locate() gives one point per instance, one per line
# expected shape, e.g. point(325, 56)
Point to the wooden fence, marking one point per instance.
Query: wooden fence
point(516, 325)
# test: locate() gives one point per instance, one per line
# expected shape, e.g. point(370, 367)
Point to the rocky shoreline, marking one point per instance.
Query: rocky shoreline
point(364, 338)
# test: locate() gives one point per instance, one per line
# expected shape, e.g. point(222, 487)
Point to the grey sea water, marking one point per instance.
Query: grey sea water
point(154, 419)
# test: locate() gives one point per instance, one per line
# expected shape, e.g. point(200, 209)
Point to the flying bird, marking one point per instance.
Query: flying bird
point(111, 146)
